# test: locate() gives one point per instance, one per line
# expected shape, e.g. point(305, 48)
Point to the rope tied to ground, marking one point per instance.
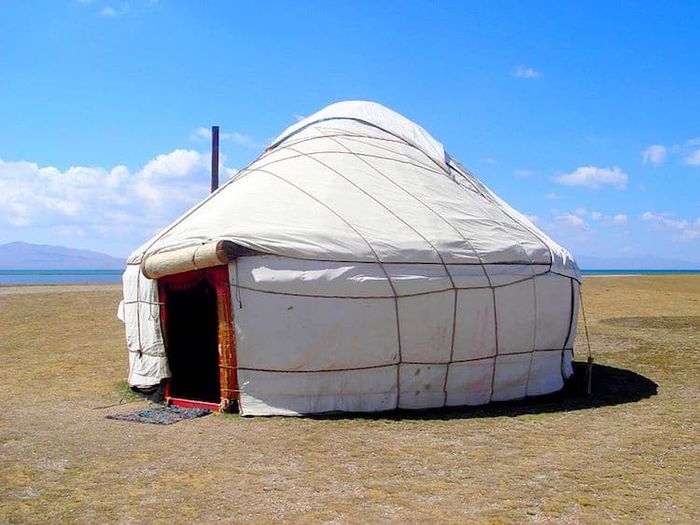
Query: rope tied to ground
point(589, 368)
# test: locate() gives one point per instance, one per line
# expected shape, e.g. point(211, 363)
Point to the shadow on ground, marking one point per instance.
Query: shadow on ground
point(610, 386)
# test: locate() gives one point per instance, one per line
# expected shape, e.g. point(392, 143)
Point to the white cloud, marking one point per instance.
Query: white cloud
point(178, 163)
point(552, 196)
point(616, 220)
point(526, 72)
point(690, 234)
point(111, 12)
point(569, 226)
point(490, 160)
point(663, 220)
point(117, 204)
point(688, 151)
point(571, 219)
point(680, 229)
point(654, 154)
point(523, 173)
point(578, 217)
point(693, 158)
point(620, 219)
point(594, 177)
point(240, 139)
point(201, 134)
point(534, 219)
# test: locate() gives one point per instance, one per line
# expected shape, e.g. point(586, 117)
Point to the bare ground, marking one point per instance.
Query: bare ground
point(629, 453)
point(23, 289)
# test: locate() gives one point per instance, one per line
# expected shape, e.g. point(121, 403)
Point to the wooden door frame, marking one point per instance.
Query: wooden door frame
point(218, 278)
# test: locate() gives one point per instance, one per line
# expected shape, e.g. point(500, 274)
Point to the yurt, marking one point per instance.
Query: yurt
point(353, 266)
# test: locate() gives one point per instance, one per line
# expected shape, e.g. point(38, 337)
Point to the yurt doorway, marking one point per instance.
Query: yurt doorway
point(197, 324)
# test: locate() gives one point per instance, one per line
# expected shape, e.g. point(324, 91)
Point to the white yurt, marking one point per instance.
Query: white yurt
point(353, 266)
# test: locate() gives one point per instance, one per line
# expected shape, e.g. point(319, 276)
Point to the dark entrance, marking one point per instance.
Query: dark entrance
point(192, 340)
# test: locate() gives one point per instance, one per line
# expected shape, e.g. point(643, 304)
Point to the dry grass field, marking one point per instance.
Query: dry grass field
point(629, 453)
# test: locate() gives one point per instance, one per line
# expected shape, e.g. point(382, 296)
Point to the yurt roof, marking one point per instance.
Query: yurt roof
point(358, 182)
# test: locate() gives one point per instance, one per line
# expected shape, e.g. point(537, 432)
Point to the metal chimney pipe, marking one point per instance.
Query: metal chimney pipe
point(214, 158)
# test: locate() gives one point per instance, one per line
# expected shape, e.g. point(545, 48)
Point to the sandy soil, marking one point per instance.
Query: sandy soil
point(57, 288)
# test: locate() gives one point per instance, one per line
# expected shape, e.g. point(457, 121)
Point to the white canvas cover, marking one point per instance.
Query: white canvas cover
point(387, 276)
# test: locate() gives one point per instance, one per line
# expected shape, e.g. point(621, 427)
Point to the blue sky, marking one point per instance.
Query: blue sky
point(583, 115)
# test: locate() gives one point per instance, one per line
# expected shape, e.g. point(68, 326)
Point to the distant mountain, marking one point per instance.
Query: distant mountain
point(587, 262)
point(26, 256)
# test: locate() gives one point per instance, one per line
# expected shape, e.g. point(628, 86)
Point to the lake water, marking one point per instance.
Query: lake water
point(59, 276)
point(115, 276)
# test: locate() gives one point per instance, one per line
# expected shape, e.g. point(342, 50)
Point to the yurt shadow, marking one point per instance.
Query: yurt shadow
point(610, 386)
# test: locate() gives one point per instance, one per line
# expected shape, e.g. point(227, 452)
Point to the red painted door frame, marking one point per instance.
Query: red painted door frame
point(228, 377)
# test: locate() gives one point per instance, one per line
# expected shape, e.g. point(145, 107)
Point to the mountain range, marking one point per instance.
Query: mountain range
point(646, 262)
point(27, 256)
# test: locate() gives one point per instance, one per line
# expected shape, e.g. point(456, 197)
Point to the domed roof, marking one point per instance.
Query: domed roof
point(376, 115)
point(358, 182)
